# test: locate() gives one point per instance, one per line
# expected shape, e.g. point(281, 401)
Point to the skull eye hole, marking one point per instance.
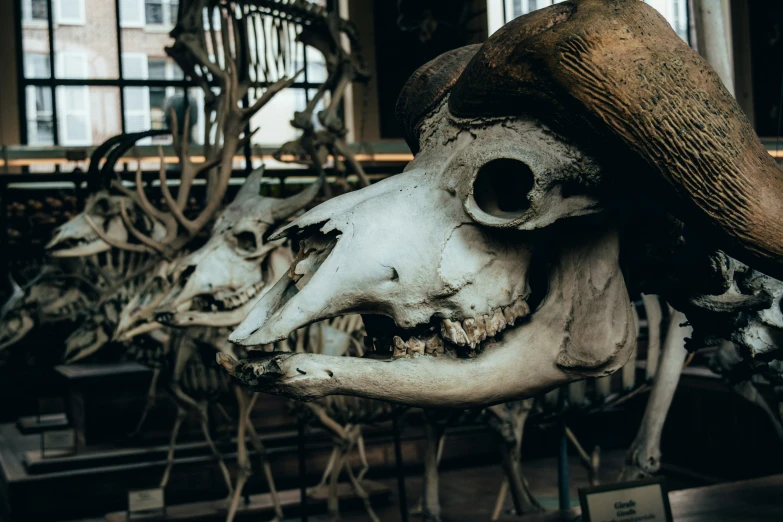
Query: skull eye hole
point(501, 187)
point(246, 241)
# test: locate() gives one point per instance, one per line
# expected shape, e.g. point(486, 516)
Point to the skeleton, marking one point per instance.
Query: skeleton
point(216, 285)
point(513, 262)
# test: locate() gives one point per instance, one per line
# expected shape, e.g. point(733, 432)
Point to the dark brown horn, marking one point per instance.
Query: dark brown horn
point(427, 87)
point(615, 71)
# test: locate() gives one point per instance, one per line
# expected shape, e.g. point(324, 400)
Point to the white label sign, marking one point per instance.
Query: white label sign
point(639, 503)
point(145, 500)
point(58, 441)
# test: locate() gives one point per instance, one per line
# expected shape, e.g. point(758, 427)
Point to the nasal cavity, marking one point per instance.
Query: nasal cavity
point(502, 186)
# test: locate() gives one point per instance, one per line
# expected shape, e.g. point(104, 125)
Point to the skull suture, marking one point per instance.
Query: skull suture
point(497, 188)
point(219, 283)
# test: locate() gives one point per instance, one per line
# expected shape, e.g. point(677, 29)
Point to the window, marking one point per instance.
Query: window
point(36, 65)
point(35, 10)
point(94, 92)
point(132, 13)
point(40, 117)
point(161, 12)
point(70, 12)
point(501, 11)
point(73, 100)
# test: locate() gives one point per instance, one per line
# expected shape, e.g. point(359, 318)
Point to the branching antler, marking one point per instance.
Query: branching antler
point(218, 60)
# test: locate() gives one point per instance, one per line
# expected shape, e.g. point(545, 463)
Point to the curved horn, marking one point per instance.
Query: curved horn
point(427, 87)
point(287, 207)
point(252, 185)
point(93, 170)
point(126, 143)
point(615, 74)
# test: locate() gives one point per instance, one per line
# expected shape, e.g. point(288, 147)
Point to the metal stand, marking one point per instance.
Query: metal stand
point(562, 470)
point(402, 492)
point(302, 472)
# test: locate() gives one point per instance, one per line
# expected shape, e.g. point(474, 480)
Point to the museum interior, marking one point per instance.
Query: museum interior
point(391, 260)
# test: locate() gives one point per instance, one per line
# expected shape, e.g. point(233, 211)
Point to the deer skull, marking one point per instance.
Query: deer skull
point(51, 297)
point(78, 238)
point(218, 284)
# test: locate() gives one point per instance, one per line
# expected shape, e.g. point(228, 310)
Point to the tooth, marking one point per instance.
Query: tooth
point(508, 315)
point(452, 330)
point(496, 324)
point(469, 325)
point(433, 346)
point(400, 348)
point(251, 292)
point(415, 346)
point(482, 325)
point(520, 307)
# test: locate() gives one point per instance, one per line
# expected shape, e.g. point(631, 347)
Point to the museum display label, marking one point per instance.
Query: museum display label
point(637, 501)
point(58, 443)
point(146, 501)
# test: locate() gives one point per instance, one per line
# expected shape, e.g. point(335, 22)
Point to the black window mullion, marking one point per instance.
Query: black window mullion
point(55, 116)
point(118, 28)
point(22, 94)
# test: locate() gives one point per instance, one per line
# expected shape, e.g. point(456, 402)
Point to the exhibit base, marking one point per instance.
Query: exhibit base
point(257, 507)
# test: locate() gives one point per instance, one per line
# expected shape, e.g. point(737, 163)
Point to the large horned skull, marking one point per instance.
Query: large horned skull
point(218, 284)
point(489, 269)
point(440, 257)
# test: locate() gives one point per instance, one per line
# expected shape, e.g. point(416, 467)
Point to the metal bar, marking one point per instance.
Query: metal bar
point(127, 82)
point(564, 501)
point(302, 472)
point(118, 28)
point(21, 94)
point(55, 124)
point(402, 492)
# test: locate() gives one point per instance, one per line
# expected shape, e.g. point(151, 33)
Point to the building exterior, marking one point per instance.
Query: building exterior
point(86, 48)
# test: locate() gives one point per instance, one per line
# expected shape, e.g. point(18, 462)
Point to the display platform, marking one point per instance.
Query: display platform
point(40, 423)
point(259, 506)
point(755, 500)
point(96, 481)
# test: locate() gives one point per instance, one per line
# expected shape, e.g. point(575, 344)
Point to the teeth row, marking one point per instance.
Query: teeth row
point(471, 331)
point(417, 347)
point(240, 298)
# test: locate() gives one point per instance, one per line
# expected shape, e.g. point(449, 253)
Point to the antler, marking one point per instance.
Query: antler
point(226, 121)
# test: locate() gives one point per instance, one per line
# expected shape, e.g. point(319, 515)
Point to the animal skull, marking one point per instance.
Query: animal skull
point(498, 188)
point(77, 237)
point(218, 284)
point(446, 252)
point(49, 298)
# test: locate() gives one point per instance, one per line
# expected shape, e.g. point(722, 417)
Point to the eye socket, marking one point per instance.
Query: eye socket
point(501, 187)
point(100, 206)
point(246, 241)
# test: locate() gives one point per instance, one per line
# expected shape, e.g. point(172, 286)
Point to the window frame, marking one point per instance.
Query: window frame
point(54, 82)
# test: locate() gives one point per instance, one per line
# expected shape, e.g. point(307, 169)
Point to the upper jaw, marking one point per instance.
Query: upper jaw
point(224, 308)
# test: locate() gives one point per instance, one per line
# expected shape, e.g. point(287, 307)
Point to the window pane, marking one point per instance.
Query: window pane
point(153, 11)
point(87, 115)
point(151, 40)
point(35, 40)
point(40, 124)
point(95, 40)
